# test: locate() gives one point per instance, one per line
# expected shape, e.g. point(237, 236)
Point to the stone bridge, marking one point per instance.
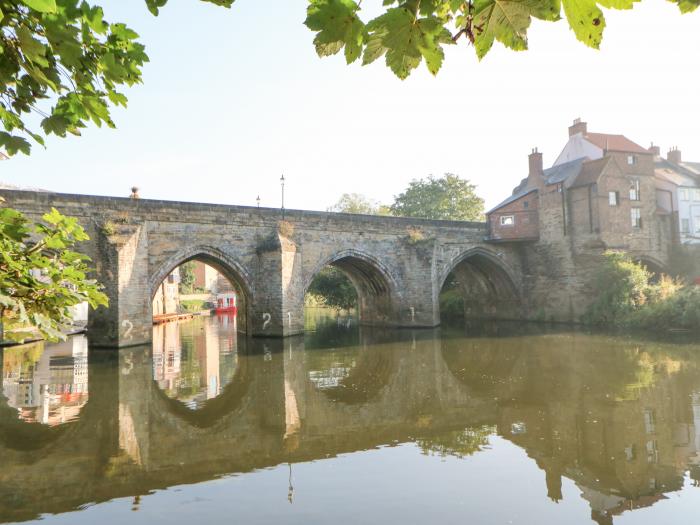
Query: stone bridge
point(398, 265)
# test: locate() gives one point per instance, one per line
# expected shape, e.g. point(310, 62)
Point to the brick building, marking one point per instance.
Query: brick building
point(599, 194)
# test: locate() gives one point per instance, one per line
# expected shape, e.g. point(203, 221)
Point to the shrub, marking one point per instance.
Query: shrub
point(620, 287)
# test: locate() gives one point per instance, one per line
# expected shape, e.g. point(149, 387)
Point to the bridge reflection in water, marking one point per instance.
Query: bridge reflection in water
point(545, 428)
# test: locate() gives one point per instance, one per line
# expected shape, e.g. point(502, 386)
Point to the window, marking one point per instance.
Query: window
point(649, 421)
point(634, 190)
point(652, 452)
point(685, 226)
point(631, 160)
point(696, 221)
point(636, 214)
point(684, 193)
point(507, 220)
point(614, 198)
point(526, 204)
point(696, 195)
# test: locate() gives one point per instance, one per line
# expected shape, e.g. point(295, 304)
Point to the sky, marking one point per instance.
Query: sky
point(232, 99)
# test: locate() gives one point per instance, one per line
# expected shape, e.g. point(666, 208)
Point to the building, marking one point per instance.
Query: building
point(599, 194)
point(167, 297)
point(678, 194)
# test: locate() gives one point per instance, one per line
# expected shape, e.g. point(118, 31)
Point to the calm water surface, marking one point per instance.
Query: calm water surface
point(487, 425)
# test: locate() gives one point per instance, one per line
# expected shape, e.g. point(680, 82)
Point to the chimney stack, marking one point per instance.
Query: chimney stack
point(674, 155)
point(535, 175)
point(578, 127)
point(655, 150)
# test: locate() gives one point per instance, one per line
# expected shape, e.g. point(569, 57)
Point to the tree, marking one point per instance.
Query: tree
point(40, 276)
point(187, 277)
point(357, 203)
point(61, 60)
point(407, 32)
point(334, 288)
point(446, 198)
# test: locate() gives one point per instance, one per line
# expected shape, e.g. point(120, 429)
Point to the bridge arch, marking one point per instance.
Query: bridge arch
point(373, 281)
point(486, 282)
point(227, 266)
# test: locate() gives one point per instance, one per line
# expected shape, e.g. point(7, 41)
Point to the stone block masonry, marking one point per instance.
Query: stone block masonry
point(398, 265)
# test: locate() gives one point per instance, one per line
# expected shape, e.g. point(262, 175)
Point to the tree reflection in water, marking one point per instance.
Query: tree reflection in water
point(617, 418)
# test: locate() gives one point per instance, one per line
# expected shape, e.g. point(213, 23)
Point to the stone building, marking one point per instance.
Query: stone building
point(167, 297)
point(599, 194)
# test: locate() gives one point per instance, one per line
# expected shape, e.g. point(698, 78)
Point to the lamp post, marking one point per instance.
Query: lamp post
point(258, 200)
point(282, 183)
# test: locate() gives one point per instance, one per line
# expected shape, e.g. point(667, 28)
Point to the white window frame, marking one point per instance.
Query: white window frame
point(696, 194)
point(635, 190)
point(614, 198)
point(631, 160)
point(505, 222)
point(684, 194)
point(636, 217)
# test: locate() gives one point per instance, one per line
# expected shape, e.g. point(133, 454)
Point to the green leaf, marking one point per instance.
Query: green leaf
point(687, 6)
point(587, 21)
point(508, 21)
point(13, 144)
point(43, 6)
point(33, 50)
point(338, 27)
point(406, 41)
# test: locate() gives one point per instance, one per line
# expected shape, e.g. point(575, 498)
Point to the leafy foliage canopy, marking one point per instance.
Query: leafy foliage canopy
point(445, 198)
point(40, 276)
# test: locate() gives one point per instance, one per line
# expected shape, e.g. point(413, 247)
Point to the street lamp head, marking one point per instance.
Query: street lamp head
point(258, 200)
point(282, 179)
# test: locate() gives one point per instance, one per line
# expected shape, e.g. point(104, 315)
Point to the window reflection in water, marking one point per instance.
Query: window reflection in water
point(194, 360)
point(47, 383)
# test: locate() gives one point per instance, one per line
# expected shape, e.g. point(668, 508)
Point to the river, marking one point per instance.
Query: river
point(486, 424)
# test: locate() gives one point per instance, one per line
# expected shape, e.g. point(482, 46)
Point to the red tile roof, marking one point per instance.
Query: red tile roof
point(614, 143)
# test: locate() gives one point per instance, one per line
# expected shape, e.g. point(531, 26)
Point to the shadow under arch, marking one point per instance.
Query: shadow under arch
point(375, 286)
point(487, 285)
point(654, 266)
point(214, 409)
point(226, 265)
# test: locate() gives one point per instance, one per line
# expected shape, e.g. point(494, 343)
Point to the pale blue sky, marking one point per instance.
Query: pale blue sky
point(233, 98)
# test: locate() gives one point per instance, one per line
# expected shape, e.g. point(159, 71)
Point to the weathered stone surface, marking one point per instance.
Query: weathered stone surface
point(398, 265)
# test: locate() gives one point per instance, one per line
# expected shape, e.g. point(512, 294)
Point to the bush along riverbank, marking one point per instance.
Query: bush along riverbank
point(628, 296)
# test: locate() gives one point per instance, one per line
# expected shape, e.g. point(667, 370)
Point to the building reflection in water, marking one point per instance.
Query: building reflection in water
point(47, 384)
point(617, 419)
point(193, 361)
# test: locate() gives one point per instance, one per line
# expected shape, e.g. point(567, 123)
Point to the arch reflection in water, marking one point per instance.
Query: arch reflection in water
point(46, 384)
point(194, 360)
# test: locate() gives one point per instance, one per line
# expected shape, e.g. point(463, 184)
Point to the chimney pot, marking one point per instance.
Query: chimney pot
point(655, 150)
point(578, 127)
point(674, 155)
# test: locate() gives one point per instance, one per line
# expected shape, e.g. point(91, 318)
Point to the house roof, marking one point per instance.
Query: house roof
point(512, 198)
point(673, 173)
point(590, 172)
point(609, 142)
point(562, 172)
